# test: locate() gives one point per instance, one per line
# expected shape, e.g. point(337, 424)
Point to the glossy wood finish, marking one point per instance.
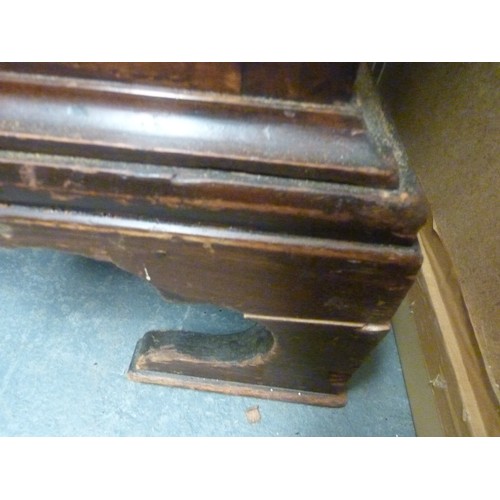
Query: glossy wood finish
point(74, 119)
point(307, 82)
point(298, 211)
point(39, 116)
point(214, 77)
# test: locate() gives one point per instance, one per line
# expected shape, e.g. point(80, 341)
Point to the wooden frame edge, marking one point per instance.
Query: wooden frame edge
point(463, 402)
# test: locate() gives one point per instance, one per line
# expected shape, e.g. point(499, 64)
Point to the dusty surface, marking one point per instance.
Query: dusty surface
point(68, 329)
point(448, 117)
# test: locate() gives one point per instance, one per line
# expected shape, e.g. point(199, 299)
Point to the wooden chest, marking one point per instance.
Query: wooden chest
point(275, 189)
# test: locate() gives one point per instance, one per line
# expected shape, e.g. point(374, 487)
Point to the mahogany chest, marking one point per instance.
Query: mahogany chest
point(275, 189)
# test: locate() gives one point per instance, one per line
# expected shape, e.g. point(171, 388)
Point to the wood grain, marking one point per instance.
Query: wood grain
point(286, 198)
point(215, 77)
point(255, 273)
point(307, 82)
point(466, 400)
point(310, 82)
point(309, 363)
point(77, 120)
point(211, 197)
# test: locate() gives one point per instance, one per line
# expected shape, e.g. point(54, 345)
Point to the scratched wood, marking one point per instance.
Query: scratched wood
point(255, 273)
point(184, 195)
point(78, 119)
point(308, 82)
point(263, 166)
point(308, 363)
point(288, 199)
point(215, 77)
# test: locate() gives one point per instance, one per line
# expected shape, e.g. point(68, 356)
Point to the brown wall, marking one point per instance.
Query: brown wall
point(448, 118)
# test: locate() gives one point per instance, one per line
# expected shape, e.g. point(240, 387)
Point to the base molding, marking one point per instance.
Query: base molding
point(307, 363)
point(447, 380)
point(222, 387)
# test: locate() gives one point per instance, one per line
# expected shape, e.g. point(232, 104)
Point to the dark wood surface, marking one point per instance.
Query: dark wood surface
point(311, 82)
point(215, 77)
point(211, 174)
point(307, 363)
point(293, 205)
point(307, 82)
point(75, 119)
point(210, 197)
point(254, 273)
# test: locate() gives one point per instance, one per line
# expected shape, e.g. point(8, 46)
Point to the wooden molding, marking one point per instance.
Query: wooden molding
point(463, 395)
point(300, 213)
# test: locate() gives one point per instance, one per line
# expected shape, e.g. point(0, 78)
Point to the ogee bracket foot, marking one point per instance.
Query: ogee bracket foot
point(297, 362)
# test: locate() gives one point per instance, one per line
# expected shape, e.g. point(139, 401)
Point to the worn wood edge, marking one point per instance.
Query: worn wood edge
point(163, 372)
point(465, 398)
point(379, 209)
point(20, 215)
point(187, 175)
point(121, 241)
point(216, 77)
point(260, 317)
point(385, 135)
point(87, 137)
point(151, 90)
point(316, 82)
point(168, 377)
point(356, 174)
point(236, 389)
point(364, 327)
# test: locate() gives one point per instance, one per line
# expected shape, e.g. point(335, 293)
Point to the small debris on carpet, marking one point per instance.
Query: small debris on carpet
point(253, 415)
